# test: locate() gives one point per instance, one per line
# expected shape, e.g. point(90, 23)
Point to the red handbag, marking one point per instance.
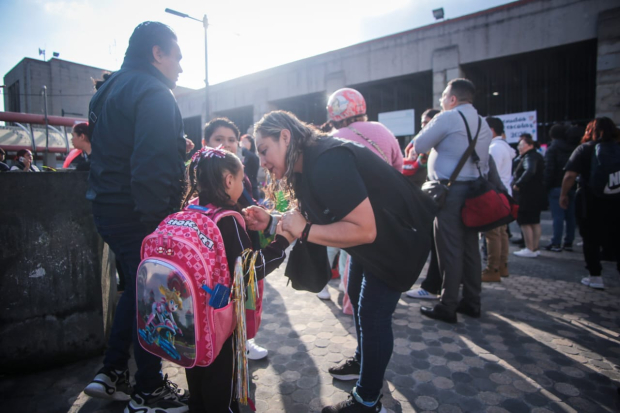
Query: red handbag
point(487, 208)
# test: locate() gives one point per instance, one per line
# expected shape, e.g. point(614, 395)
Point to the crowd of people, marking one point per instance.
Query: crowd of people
point(348, 187)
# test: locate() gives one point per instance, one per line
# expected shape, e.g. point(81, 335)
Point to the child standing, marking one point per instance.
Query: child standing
point(216, 178)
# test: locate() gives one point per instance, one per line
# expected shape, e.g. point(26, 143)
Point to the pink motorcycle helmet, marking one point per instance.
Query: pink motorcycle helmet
point(345, 103)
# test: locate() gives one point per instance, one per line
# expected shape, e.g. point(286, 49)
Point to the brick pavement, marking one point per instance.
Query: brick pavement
point(545, 343)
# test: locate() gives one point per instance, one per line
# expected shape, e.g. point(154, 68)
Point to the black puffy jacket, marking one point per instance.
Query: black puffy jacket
point(556, 158)
point(138, 149)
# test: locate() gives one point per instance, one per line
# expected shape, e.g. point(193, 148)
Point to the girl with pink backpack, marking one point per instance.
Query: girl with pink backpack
point(216, 179)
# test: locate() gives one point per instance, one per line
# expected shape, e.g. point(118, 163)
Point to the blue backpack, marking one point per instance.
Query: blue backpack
point(605, 170)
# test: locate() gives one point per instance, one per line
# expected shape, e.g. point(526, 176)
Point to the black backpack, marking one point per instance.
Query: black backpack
point(605, 170)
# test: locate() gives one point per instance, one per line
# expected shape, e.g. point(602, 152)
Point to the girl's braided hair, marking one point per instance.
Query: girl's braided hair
point(205, 175)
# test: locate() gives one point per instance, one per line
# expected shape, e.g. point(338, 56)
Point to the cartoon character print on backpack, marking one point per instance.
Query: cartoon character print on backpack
point(185, 252)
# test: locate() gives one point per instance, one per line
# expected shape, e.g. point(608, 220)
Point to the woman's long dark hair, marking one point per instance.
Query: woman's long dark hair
point(205, 177)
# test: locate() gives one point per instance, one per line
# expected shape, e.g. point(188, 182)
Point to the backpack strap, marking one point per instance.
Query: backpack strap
point(370, 141)
point(216, 213)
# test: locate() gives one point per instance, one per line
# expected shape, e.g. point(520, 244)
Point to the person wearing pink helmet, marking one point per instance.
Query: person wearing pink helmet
point(346, 109)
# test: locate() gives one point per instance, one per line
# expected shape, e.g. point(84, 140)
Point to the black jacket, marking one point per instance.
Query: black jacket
point(403, 213)
point(528, 177)
point(138, 149)
point(555, 160)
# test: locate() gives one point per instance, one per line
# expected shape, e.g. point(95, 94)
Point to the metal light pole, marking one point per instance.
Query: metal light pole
point(205, 24)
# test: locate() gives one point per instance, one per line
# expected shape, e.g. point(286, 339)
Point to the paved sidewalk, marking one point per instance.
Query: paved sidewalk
point(545, 343)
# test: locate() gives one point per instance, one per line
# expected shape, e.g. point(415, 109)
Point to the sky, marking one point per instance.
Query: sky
point(244, 36)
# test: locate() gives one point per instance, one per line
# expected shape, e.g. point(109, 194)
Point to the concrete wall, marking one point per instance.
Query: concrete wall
point(608, 66)
point(56, 284)
point(512, 29)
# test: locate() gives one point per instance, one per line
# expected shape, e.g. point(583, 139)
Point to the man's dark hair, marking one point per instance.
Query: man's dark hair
point(463, 89)
point(558, 131)
point(147, 35)
point(216, 123)
point(496, 124)
point(606, 130)
point(430, 113)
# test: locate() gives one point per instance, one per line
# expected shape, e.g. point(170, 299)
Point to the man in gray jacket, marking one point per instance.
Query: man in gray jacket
point(457, 245)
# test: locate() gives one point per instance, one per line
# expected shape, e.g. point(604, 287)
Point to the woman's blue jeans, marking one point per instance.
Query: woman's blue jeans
point(124, 235)
point(562, 215)
point(373, 305)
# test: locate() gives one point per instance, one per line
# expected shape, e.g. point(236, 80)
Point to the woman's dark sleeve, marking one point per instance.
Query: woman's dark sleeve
point(529, 170)
point(236, 240)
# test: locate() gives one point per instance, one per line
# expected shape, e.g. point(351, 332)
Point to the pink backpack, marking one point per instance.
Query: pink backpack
point(183, 288)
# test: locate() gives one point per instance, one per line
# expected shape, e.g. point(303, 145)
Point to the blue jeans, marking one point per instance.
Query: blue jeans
point(560, 215)
point(124, 235)
point(373, 305)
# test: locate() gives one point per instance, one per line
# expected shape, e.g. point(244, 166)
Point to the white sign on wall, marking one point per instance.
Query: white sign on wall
point(400, 122)
point(516, 124)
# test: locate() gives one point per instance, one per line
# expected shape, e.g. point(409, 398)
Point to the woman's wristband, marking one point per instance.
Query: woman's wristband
point(305, 232)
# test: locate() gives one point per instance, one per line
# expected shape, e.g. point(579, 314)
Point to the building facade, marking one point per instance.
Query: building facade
point(557, 57)
point(69, 87)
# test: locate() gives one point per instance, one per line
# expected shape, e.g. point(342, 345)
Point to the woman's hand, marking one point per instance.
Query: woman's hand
point(256, 218)
point(189, 145)
point(411, 154)
point(294, 223)
point(279, 231)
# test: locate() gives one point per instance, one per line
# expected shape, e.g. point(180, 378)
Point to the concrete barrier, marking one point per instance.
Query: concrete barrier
point(57, 282)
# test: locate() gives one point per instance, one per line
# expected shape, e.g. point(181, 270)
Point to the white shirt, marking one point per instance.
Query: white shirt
point(503, 154)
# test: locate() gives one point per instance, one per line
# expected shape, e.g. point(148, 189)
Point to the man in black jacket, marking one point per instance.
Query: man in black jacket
point(556, 158)
point(136, 177)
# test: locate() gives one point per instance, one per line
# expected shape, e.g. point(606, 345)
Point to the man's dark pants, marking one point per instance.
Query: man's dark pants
point(124, 235)
point(457, 250)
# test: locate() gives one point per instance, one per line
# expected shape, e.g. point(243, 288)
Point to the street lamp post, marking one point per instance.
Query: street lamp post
point(205, 24)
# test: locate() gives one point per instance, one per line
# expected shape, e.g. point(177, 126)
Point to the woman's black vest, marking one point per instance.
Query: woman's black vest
point(403, 214)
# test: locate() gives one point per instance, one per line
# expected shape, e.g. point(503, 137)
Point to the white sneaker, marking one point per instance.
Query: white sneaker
point(525, 253)
point(324, 294)
point(593, 282)
point(254, 351)
point(537, 252)
point(421, 293)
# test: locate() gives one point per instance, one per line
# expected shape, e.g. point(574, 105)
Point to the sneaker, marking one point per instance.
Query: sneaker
point(537, 252)
point(324, 294)
point(167, 398)
point(254, 351)
point(526, 253)
point(593, 282)
point(110, 384)
point(568, 247)
point(422, 293)
point(351, 405)
point(553, 248)
point(347, 370)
